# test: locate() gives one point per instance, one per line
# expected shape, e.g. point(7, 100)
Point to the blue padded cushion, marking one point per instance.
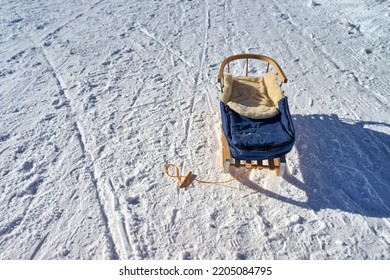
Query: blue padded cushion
point(251, 139)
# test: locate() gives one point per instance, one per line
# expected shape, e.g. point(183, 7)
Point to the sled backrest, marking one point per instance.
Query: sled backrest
point(268, 60)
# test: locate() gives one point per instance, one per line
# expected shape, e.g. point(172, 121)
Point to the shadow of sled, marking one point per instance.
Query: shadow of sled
point(344, 166)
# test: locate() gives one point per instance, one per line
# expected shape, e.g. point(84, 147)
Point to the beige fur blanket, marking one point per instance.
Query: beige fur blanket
point(254, 97)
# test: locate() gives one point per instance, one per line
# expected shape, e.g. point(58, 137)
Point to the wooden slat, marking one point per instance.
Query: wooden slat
point(271, 164)
point(225, 149)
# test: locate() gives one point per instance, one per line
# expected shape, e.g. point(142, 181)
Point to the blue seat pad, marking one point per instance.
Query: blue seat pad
point(251, 139)
point(249, 133)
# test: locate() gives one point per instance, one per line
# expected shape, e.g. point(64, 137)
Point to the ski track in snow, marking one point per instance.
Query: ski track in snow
point(96, 97)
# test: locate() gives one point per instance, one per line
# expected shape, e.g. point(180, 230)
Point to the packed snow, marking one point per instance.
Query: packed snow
point(98, 96)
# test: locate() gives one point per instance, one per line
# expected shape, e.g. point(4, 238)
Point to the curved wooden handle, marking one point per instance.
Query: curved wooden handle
point(267, 59)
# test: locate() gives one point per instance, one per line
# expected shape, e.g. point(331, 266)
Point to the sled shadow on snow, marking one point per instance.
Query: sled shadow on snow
point(344, 166)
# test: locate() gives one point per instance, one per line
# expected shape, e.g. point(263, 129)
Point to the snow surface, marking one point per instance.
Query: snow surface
point(97, 96)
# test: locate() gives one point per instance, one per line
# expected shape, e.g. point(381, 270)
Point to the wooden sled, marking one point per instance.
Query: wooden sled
point(275, 160)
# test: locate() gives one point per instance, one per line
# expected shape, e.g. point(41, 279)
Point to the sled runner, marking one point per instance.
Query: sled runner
point(257, 129)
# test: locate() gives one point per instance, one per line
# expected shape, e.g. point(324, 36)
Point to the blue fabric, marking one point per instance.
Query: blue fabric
point(251, 139)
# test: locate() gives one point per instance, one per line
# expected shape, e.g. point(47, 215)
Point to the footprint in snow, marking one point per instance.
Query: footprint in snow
point(185, 256)
point(14, 21)
point(240, 256)
point(133, 200)
point(352, 28)
point(4, 137)
point(284, 16)
point(32, 187)
point(313, 4)
point(115, 52)
point(27, 166)
point(42, 25)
